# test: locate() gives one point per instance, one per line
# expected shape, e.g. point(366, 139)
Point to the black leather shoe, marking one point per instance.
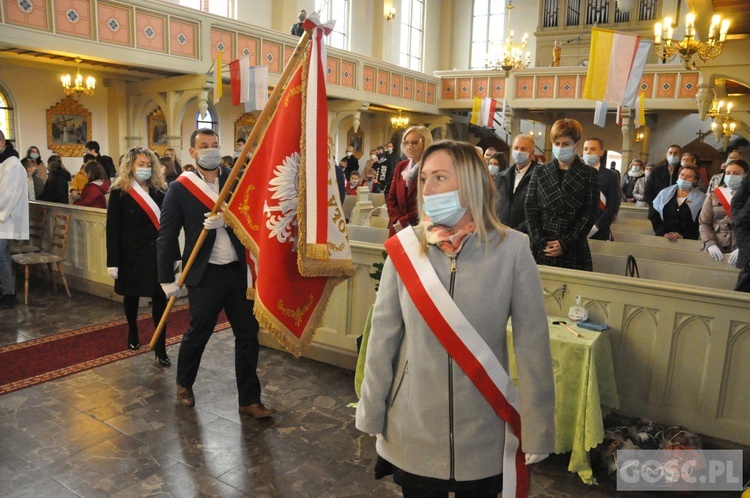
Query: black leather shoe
point(185, 396)
point(134, 345)
point(163, 359)
point(257, 410)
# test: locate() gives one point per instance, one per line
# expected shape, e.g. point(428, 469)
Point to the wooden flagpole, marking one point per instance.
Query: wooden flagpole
point(260, 125)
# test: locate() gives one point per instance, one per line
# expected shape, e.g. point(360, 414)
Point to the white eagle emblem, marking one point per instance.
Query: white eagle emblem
point(282, 218)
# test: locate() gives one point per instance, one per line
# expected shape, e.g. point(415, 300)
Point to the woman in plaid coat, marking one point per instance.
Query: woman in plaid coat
point(562, 203)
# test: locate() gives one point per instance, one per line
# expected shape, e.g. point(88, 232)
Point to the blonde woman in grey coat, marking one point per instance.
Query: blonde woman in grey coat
point(436, 431)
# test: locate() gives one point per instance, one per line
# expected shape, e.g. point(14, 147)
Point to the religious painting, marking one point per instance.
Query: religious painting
point(244, 125)
point(157, 132)
point(68, 128)
point(356, 140)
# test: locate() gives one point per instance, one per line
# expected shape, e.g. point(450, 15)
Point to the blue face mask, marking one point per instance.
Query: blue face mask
point(520, 157)
point(563, 154)
point(443, 209)
point(684, 184)
point(733, 181)
point(142, 174)
point(591, 159)
point(673, 160)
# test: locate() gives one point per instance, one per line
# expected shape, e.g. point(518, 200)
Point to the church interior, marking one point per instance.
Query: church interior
point(150, 72)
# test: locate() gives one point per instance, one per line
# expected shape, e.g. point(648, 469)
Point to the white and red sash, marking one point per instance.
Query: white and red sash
point(469, 350)
point(602, 201)
point(201, 191)
point(146, 203)
point(724, 196)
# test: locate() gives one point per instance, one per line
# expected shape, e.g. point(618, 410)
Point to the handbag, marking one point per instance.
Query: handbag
point(631, 267)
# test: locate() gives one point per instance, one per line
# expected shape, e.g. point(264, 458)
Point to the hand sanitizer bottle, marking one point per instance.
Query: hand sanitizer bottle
point(577, 313)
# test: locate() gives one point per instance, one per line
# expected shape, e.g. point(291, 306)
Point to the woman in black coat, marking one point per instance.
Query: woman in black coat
point(562, 203)
point(132, 228)
point(56, 187)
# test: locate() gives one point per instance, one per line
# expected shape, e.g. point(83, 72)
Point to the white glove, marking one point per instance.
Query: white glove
point(733, 257)
point(715, 253)
point(171, 289)
point(112, 271)
point(535, 458)
point(593, 231)
point(214, 222)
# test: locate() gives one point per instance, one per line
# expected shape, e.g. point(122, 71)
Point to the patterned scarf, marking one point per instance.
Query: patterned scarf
point(449, 241)
point(410, 173)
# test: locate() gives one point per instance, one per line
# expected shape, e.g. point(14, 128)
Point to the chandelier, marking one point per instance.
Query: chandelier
point(722, 127)
point(76, 86)
point(668, 48)
point(639, 137)
point(509, 56)
point(399, 122)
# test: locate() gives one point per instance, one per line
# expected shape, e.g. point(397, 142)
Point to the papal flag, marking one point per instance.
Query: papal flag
point(286, 207)
point(616, 62)
point(483, 112)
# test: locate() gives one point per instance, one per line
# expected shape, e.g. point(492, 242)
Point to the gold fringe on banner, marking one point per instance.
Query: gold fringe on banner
point(316, 251)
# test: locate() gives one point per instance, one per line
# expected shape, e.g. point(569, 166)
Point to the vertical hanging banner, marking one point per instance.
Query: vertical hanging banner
point(286, 207)
point(218, 82)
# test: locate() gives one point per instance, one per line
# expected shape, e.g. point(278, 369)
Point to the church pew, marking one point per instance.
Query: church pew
point(669, 254)
point(663, 271)
point(652, 240)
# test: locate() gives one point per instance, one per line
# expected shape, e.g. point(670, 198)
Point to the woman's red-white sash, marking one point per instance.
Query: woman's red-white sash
point(146, 203)
point(723, 198)
point(196, 186)
point(466, 347)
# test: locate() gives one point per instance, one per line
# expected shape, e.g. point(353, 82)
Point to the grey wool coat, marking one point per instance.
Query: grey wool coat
point(406, 389)
point(563, 212)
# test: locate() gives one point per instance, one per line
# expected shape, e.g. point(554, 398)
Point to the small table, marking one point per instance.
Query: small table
point(584, 390)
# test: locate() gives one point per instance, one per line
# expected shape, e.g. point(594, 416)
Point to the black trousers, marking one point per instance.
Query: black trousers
point(222, 287)
point(158, 305)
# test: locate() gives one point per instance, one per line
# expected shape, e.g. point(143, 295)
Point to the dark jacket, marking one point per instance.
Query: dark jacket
point(564, 212)
point(352, 164)
point(109, 166)
point(609, 186)
point(56, 188)
point(131, 244)
point(741, 218)
point(675, 218)
point(658, 180)
point(181, 209)
point(510, 205)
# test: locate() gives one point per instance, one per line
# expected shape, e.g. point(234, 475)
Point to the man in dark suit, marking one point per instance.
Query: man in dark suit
point(741, 219)
point(352, 163)
point(609, 189)
point(297, 29)
point(665, 174)
point(218, 278)
point(92, 147)
point(511, 184)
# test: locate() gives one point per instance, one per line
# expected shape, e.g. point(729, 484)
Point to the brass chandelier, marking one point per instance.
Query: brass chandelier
point(668, 48)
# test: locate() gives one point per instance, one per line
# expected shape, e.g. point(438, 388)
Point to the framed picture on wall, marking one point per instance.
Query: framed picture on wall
point(356, 140)
point(157, 132)
point(68, 128)
point(244, 125)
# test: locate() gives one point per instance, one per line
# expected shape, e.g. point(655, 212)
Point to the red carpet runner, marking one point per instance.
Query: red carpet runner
point(39, 360)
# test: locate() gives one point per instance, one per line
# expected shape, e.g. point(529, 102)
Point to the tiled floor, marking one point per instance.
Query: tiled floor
point(117, 430)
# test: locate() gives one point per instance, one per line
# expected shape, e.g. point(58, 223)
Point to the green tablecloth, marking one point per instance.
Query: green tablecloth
point(584, 390)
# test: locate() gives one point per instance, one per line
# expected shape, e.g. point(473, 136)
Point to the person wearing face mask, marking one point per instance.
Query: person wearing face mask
point(34, 156)
point(133, 216)
point(218, 278)
point(436, 432)
point(391, 160)
point(741, 217)
point(512, 184)
point(676, 208)
point(6, 148)
point(630, 179)
point(56, 186)
point(401, 198)
point(691, 160)
point(496, 164)
point(297, 28)
point(14, 221)
point(352, 163)
point(353, 184)
point(640, 186)
point(662, 176)
point(609, 189)
point(562, 203)
point(371, 181)
point(718, 178)
point(172, 154)
point(36, 185)
point(716, 227)
point(239, 145)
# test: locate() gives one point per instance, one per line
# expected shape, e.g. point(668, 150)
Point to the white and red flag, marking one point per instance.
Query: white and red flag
point(286, 207)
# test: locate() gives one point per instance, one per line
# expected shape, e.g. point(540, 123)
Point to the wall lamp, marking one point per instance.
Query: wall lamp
point(390, 13)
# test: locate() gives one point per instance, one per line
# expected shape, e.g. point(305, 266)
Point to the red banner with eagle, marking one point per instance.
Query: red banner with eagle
point(287, 211)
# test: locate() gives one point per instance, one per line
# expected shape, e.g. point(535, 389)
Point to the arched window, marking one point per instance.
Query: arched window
point(339, 11)
point(487, 28)
point(412, 34)
point(206, 122)
point(225, 8)
point(6, 116)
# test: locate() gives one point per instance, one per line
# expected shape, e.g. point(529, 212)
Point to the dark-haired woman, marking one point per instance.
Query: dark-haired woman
point(95, 192)
point(56, 187)
point(132, 228)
